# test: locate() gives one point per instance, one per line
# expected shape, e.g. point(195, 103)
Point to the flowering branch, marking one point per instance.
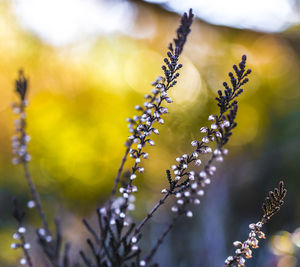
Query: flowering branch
point(116, 245)
point(188, 186)
point(51, 247)
point(270, 207)
point(141, 126)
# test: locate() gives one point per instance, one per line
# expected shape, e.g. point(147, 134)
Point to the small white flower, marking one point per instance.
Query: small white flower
point(13, 245)
point(195, 154)
point(22, 230)
point(174, 209)
point(178, 159)
point(219, 158)
point(125, 195)
point(194, 143)
point(137, 160)
point(176, 172)
point(102, 211)
point(177, 177)
point(142, 263)
point(208, 150)
point(23, 261)
point(132, 176)
point(169, 99)
point(203, 129)
point(184, 166)
point(218, 134)
point(196, 201)
point(161, 121)
point(164, 190)
point(48, 238)
point(156, 131)
point(137, 107)
point(141, 169)
point(194, 185)
point(145, 155)
point(122, 190)
point(217, 152)
point(226, 123)
point(214, 126)
point(211, 117)
point(189, 214)
point(42, 231)
point(200, 193)
point(225, 151)
point(27, 246)
point(134, 189)
point(178, 195)
point(16, 236)
point(133, 239)
point(198, 162)
point(173, 167)
point(131, 206)
point(203, 174)
point(212, 168)
point(31, 204)
point(122, 215)
point(134, 248)
point(180, 201)
point(151, 143)
point(112, 221)
point(187, 194)
point(207, 181)
point(139, 146)
point(205, 139)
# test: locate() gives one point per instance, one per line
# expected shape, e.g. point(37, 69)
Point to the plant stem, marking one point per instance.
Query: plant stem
point(150, 214)
point(117, 179)
point(35, 196)
point(162, 237)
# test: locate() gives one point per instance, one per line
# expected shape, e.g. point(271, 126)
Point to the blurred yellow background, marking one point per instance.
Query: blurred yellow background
point(81, 93)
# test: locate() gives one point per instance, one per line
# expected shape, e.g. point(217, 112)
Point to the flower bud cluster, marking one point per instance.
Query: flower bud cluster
point(142, 126)
point(188, 185)
point(20, 243)
point(20, 139)
point(244, 250)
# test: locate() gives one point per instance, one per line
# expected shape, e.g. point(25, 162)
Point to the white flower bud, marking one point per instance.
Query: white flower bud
point(174, 209)
point(23, 261)
point(189, 214)
point(194, 143)
point(198, 162)
point(211, 117)
point(31, 204)
point(22, 230)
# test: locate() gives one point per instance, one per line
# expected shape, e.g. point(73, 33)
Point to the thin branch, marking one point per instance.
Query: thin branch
point(160, 240)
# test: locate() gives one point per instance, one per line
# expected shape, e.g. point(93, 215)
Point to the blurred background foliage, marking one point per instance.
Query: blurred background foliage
point(82, 90)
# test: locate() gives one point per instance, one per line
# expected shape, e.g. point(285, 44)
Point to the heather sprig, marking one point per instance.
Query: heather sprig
point(19, 236)
point(142, 126)
point(50, 244)
point(19, 145)
point(270, 207)
point(187, 185)
point(117, 245)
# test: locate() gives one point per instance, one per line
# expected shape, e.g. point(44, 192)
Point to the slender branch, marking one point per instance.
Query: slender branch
point(150, 214)
point(161, 238)
point(35, 196)
point(117, 179)
point(25, 251)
